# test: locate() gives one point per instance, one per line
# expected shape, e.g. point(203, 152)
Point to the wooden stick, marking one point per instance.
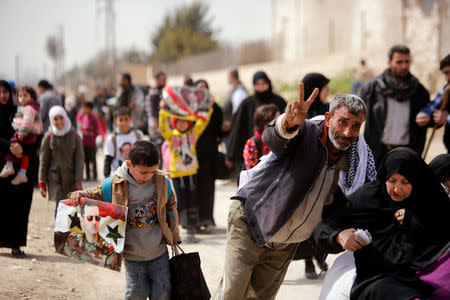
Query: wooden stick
point(443, 107)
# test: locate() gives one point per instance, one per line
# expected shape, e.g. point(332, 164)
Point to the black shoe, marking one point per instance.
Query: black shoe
point(324, 267)
point(321, 263)
point(310, 270)
point(17, 253)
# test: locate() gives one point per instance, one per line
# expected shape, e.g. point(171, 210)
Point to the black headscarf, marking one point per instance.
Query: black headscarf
point(312, 81)
point(7, 112)
point(9, 106)
point(398, 250)
point(266, 94)
point(440, 165)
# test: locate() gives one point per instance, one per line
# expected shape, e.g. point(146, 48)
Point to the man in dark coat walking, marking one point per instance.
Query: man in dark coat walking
point(393, 100)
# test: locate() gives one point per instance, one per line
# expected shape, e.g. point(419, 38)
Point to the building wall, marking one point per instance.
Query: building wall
point(322, 27)
point(313, 29)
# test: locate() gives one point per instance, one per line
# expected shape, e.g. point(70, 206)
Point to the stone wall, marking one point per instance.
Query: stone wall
point(428, 45)
point(315, 29)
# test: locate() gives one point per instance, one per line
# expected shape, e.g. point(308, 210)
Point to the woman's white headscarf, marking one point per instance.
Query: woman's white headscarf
point(58, 110)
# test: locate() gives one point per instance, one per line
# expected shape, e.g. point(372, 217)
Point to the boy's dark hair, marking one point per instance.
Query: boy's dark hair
point(123, 111)
point(89, 105)
point(87, 203)
point(445, 62)
point(45, 84)
point(144, 153)
point(263, 115)
point(159, 74)
point(28, 89)
point(398, 49)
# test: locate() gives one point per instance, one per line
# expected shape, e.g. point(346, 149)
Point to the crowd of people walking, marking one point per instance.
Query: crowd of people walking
point(308, 182)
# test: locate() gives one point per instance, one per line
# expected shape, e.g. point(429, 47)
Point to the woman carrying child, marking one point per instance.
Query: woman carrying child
point(18, 198)
point(28, 126)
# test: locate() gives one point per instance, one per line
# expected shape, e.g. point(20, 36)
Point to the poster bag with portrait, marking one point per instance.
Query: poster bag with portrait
point(93, 232)
point(187, 103)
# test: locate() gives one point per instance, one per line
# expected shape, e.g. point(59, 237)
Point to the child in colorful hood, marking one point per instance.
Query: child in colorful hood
point(182, 138)
point(28, 126)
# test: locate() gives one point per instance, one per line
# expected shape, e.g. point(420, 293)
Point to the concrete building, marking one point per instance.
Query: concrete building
point(305, 29)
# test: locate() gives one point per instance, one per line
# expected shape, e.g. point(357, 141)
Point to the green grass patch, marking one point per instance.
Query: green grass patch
point(341, 83)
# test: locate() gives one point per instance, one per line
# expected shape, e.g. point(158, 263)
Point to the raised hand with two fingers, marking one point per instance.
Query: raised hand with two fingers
point(296, 111)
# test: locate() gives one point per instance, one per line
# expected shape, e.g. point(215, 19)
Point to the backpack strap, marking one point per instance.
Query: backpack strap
point(107, 192)
point(169, 194)
point(259, 145)
point(107, 189)
point(114, 141)
point(137, 134)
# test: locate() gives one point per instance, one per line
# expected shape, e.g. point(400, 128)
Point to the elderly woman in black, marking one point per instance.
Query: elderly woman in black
point(405, 211)
point(440, 165)
point(16, 200)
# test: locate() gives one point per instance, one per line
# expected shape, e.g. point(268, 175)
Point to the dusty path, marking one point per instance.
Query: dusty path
point(44, 274)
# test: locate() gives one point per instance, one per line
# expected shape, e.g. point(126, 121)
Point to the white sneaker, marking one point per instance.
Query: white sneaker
point(21, 177)
point(8, 170)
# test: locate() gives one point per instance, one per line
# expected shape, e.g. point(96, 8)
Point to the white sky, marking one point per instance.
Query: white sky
point(26, 24)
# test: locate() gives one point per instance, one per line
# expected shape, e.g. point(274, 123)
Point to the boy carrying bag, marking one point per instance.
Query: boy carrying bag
point(152, 220)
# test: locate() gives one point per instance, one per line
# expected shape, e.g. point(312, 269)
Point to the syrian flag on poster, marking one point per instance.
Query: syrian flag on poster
point(112, 223)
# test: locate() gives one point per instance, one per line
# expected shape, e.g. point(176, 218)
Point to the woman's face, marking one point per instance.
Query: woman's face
point(324, 93)
point(446, 183)
point(261, 86)
point(4, 95)
point(398, 187)
point(59, 122)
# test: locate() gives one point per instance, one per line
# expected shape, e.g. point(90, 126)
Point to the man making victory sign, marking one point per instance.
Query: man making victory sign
point(286, 197)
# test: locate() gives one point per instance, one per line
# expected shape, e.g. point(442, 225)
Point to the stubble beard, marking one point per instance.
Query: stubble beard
point(332, 136)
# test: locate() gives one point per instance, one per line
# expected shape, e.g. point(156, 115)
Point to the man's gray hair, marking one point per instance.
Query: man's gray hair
point(355, 104)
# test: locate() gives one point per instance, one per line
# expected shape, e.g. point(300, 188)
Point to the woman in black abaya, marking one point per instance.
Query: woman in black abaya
point(320, 106)
point(405, 210)
point(308, 249)
point(242, 123)
point(207, 148)
point(16, 199)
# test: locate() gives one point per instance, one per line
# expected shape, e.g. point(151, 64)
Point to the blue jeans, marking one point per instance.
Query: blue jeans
point(356, 86)
point(149, 278)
